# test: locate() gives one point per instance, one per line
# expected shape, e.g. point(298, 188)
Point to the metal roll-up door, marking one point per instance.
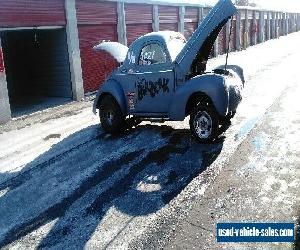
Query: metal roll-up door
point(96, 65)
point(252, 30)
point(52, 62)
point(191, 19)
point(189, 28)
point(135, 31)
point(257, 26)
point(281, 25)
point(93, 12)
point(138, 20)
point(233, 35)
point(37, 63)
point(222, 41)
point(97, 21)
point(15, 13)
point(168, 18)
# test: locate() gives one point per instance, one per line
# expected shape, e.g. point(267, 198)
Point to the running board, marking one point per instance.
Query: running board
point(156, 120)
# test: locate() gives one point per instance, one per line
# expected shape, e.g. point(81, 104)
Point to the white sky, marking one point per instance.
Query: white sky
point(284, 5)
point(289, 5)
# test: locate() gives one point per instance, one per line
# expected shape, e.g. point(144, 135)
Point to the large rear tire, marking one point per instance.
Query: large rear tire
point(111, 116)
point(204, 123)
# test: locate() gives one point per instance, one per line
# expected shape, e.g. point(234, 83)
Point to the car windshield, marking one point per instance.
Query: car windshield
point(175, 45)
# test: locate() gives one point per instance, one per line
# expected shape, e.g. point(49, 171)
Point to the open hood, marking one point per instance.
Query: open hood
point(200, 44)
point(115, 49)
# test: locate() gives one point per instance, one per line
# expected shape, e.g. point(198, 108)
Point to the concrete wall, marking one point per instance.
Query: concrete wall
point(73, 49)
point(5, 113)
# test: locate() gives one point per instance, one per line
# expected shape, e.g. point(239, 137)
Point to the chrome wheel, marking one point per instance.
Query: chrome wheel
point(203, 124)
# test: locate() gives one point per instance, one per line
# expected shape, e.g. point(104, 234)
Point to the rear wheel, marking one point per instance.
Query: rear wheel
point(111, 117)
point(204, 123)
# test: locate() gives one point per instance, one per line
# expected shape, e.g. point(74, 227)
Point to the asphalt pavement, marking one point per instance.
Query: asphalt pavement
point(260, 182)
point(65, 184)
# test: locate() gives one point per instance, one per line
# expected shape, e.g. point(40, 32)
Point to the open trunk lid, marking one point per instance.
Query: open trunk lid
point(115, 49)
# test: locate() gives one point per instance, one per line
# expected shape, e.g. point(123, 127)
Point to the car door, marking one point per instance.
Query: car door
point(153, 79)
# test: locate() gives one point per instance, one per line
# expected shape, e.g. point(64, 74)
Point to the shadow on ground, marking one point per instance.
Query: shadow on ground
point(75, 184)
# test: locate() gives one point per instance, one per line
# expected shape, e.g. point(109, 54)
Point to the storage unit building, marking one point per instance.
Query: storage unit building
point(35, 61)
point(46, 47)
point(35, 53)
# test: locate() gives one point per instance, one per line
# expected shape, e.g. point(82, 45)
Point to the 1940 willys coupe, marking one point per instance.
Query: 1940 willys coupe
point(164, 77)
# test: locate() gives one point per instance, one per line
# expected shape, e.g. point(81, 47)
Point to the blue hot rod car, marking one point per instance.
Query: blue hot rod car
point(163, 76)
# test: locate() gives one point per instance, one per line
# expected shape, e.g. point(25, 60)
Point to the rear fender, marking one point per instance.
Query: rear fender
point(210, 84)
point(113, 88)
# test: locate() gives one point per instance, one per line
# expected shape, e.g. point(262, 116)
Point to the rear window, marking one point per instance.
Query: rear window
point(152, 54)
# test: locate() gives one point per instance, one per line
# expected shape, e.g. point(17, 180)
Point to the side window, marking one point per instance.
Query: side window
point(152, 54)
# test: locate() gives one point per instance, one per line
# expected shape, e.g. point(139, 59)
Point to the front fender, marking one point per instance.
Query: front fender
point(210, 84)
point(235, 68)
point(115, 89)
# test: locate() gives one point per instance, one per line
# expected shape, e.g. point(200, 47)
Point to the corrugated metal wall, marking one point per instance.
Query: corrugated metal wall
point(97, 21)
point(14, 13)
point(168, 17)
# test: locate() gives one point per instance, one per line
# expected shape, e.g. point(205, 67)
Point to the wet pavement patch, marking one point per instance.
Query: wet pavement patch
point(246, 128)
point(52, 136)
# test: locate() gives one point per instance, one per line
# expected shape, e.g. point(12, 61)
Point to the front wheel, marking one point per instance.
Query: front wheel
point(111, 117)
point(204, 123)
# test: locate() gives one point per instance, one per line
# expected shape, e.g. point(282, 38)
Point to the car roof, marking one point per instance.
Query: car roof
point(163, 36)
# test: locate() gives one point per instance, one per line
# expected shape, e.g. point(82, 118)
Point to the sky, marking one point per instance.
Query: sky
point(284, 5)
point(288, 5)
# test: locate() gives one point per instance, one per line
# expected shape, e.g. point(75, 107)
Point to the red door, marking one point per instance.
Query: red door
point(97, 21)
point(14, 13)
